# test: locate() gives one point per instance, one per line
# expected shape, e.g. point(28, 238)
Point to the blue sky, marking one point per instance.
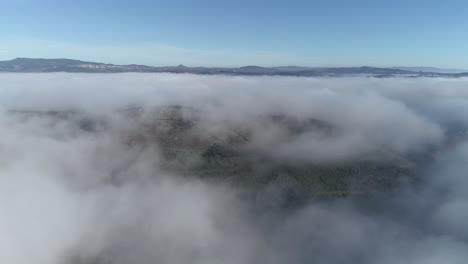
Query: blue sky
point(241, 32)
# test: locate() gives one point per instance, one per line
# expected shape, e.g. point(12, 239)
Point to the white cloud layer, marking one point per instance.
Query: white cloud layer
point(58, 203)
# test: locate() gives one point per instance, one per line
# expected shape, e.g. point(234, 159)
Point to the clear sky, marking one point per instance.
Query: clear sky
point(239, 32)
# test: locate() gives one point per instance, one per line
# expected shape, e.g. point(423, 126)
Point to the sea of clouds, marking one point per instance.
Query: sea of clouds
point(57, 204)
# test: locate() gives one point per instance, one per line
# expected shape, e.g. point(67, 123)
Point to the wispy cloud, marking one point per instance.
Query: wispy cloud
point(157, 54)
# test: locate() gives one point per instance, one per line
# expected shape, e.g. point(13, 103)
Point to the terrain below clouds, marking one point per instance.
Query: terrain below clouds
point(182, 168)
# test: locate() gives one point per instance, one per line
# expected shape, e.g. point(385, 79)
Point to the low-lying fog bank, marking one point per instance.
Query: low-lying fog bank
point(177, 168)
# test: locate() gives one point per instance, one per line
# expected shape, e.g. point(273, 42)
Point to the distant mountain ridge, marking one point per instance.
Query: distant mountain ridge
point(430, 69)
point(70, 65)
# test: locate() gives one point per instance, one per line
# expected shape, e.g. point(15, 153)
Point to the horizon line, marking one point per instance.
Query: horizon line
point(244, 65)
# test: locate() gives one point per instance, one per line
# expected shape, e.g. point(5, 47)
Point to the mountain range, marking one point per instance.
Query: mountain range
point(431, 69)
point(70, 65)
